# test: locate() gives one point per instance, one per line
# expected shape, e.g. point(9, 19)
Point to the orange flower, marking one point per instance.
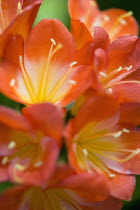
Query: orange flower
point(65, 190)
point(114, 66)
point(16, 17)
point(116, 22)
point(29, 143)
point(96, 141)
point(46, 72)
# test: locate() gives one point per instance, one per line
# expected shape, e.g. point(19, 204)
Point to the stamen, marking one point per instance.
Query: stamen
point(12, 82)
point(106, 18)
point(73, 64)
point(38, 164)
point(53, 41)
point(128, 68)
point(121, 17)
point(4, 160)
point(102, 74)
point(27, 80)
point(12, 145)
point(44, 77)
point(73, 82)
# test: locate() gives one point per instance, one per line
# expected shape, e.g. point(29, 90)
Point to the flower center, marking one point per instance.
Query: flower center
point(41, 89)
point(93, 148)
point(25, 151)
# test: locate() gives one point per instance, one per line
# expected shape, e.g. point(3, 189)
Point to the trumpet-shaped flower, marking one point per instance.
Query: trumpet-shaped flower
point(114, 66)
point(29, 143)
point(65, 190)
point(46, 71)
point(16, 17)
point(97, 141)
point(117, 22)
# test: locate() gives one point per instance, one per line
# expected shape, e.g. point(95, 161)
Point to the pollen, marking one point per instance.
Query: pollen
point(109, 91)
point(106, 18)
point(4, 160)
point(38, 164)
point(102, 74)
point(85, 152)
point(117, 134)
point(73, 82)
point(125, 130)
point(92, 3)
point(20, 167)
point(12, 145)
point(112, 175)
point(19, 7)
point(73, 64)
point(12, 82)
point(53, 41)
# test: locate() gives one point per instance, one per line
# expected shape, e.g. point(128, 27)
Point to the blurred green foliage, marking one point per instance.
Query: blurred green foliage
point(57, 9)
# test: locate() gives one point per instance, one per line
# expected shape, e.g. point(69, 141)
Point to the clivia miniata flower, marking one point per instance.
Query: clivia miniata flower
point(46, 71)
point(97, 141)
point(114, 66)
point(29, 143)
point(116, 22)
point(64, 190)
point(16, 17)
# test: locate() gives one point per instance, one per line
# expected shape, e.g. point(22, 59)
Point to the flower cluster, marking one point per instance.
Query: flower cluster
point(75, 144)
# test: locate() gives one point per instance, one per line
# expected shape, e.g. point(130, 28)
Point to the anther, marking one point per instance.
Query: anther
point(102, 74)
point(4, 160)
point(137, 151)
point(125, 130)
point(19, 7)
point(117, 134)
point(73, 82)
point(109, 91)
point(38, 164)
point(73, 64)
point(12, 145)
point(92, 3)
point(120, 68)
point(128, 68)
point(85, 152)
point(19, 167)
point(53, 41)
point(12, 82)
point(20, 58)
point(112, 175)
point(123, 22)
point(106, 18)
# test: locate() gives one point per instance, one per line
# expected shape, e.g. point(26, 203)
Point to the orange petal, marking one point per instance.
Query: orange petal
point(122, 186)
point(21, 24)
point(80, 33)
point(125, 58)
point(52, 125)
point(119, 23)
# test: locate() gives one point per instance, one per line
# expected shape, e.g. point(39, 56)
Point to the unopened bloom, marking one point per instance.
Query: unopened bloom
point(117, 22)
point(16, 17)
point(46, 71)
point(97, 141)
point(64, 190)
point(29, 143)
